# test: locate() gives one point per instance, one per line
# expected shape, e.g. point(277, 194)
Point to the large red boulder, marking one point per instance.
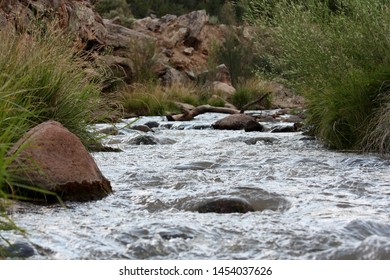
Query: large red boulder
point(50, 157)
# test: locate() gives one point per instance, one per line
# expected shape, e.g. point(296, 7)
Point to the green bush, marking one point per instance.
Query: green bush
point(115, 9)
point(239, 55)
point(41, 78)
point(337, 54)
point(252, 90)
point(143, 57)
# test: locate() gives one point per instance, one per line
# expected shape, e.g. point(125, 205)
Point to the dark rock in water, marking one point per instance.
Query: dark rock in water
point(308, 138)
point(152, 124)
point(52, 158)
point(252, 140)
point(201, 126)
point(20, 250)
point(173, 234)
point(240, 200)
point(225, 205)
point(143, 140)
point(141, 127)
point(287, 128)
point(236, 122)
point(253, 126)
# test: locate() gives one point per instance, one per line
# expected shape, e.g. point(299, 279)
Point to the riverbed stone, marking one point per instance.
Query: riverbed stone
point(225, 205)
point(238, 122)
point(52, 158)
point(143, 139)
point(152, 124)
point(141, 127)
point(19, 250)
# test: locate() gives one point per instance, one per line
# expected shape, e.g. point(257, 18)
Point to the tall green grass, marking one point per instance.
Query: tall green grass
point(153, 99)
point(336, 53)
point(41, 78)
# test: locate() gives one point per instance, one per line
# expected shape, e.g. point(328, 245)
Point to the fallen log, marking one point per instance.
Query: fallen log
point(189, 114)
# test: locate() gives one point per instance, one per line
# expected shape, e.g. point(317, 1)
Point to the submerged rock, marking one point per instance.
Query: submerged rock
point(52, 158)
point(141, 127)
point(19, 250)
point(143, 140)
point(152, 124)
point(225, 205)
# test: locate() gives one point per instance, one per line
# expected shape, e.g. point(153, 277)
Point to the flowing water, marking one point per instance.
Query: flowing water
point(306, 202)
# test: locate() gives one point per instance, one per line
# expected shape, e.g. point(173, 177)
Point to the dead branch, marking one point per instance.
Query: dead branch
point(189, 114)
point(246, 106)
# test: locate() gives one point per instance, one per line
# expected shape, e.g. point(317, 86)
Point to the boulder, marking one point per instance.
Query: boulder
point(253, 126)
point(225, 205)
point(143, 140)
point(238, 122)
point(152, 124)
point(19, 250)
point(52, 158)
point(172, 77)
point(142, 128)
point(173, 31)
point(223, 75)
point(223, 90)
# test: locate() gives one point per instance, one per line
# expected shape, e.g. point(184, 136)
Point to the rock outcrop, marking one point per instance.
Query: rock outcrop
point(52, 158)
point(180, 44)
point(175, 48)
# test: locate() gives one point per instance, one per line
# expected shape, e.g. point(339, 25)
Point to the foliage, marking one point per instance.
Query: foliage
point(41, 78)
point(119, 9)
point(250, 90)
point(153, 99)
point(337, 54)
point(239, 55)
point(143, 58)
point(228, 12)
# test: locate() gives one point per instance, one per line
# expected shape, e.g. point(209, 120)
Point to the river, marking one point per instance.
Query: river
point(307, 202)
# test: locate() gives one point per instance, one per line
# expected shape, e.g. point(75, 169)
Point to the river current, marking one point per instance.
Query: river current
point(308, 202)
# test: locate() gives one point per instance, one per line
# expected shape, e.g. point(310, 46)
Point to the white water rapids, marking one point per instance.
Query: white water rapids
point(309, 202)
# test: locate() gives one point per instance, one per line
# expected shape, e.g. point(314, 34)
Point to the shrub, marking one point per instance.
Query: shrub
point(143, 57)
point(238, 54)
point(115, 9)
point(41, 78)
point(250, 91)
point(146, 99)
point(154, 99)
point(337, 54)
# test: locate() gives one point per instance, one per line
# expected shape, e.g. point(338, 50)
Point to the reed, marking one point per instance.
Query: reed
point(41, 78)
point(336, 53)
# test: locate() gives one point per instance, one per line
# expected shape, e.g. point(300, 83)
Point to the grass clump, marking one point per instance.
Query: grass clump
point(41, 78)
point(154, 99)
point(337, 54)
point(251, 90)
point(238, 54)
